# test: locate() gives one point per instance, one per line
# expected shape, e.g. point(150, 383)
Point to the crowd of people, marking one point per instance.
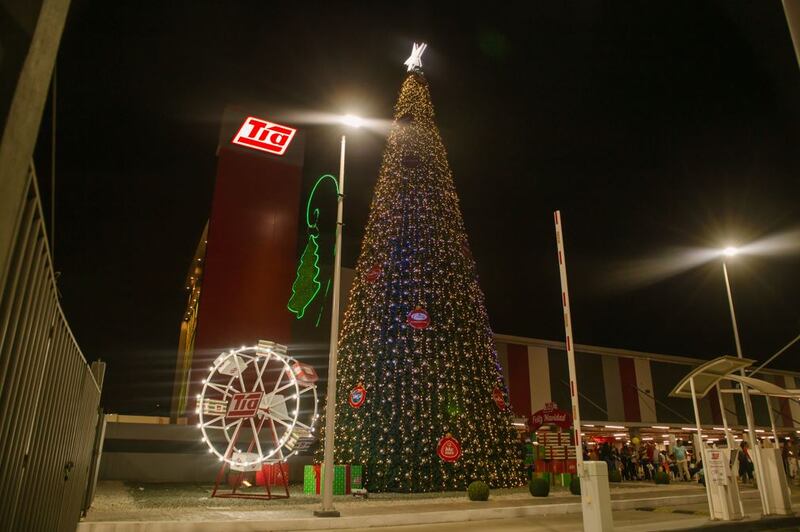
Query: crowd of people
point(641, 462)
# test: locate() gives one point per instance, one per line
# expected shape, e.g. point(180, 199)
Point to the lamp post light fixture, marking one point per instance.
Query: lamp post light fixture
point(327, 509)
point(728, 252)
point(352, 121)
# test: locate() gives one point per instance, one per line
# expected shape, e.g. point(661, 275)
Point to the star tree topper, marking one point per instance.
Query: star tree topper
point(414, 62)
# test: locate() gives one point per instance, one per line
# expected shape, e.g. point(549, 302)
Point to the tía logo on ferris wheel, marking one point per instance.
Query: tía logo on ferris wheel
point(244, 404)
point(264, 136)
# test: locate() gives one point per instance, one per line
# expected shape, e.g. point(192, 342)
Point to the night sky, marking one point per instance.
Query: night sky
point(658, 128)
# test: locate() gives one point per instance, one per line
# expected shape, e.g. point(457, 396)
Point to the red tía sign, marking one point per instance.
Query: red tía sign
point(449, 449)
point(304, 373)
point(418, 318)
point(264, 136)
point(374, 273)
point(244, 404)
point(497, 395)
point(357, 396)
point(551, 415)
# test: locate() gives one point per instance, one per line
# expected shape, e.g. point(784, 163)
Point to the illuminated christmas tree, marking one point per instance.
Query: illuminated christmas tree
point(420, 401)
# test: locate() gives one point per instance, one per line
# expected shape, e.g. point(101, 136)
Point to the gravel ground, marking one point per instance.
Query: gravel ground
point(118, 501)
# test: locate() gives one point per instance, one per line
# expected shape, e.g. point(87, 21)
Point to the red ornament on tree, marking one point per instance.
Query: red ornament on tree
point(449, 449)
point(465, 250)
point(497, 395)
point(374, 273)
point(357, 396)
point(419, 318)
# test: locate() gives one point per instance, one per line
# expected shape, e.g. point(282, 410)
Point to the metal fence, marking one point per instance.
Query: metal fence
point(48, 396)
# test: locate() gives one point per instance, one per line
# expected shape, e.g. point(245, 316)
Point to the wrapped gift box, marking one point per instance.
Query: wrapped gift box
point(342, 478)
point(311, 478)
point(572, 466)
point(271, 474)
point(356, 477)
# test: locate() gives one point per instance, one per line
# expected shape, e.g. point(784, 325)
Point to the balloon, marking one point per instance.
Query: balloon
point(635, 440)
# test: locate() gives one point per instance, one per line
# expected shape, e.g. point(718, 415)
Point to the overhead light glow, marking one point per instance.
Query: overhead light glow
point(730, 251)
point(352, 121)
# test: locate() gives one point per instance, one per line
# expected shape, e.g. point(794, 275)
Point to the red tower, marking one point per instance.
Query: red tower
point(245, 264)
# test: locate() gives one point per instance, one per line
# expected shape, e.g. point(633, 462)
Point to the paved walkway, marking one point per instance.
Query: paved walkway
point(121, 508)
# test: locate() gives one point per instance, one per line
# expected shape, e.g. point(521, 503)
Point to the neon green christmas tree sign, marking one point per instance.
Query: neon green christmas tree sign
point(306, 285)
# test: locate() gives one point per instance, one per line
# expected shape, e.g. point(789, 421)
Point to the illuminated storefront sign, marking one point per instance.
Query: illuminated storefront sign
point(264, 136)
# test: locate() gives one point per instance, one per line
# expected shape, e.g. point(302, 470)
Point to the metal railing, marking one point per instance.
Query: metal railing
point(48, 395)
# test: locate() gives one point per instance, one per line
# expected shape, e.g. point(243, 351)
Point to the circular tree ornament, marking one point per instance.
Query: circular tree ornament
point(465, 251)
point(406, 118)
point(497, 396)
point(357, 396)
point(374, 273)
point(419, 318)
point(411, 160)
point(449, 449)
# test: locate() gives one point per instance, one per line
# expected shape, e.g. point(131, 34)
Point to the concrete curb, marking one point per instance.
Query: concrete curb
point(262, 523)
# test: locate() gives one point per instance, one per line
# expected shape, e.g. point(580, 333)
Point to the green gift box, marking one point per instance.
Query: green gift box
point(311, 478)
point(356, 477)
point(342, 476)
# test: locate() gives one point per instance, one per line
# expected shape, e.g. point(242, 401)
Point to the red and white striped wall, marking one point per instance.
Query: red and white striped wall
point(627, 382)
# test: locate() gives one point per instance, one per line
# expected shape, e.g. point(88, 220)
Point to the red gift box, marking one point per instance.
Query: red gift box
point(572, 466)
point(273, 474)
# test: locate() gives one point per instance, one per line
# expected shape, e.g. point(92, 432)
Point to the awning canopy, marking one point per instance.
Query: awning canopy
point(707, 375)
point(760, 387)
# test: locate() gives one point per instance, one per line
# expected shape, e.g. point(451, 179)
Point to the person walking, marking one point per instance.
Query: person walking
point(745, 463)
point(682, 460)
point(786, 452)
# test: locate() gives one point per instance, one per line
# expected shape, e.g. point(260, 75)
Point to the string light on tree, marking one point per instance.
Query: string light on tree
point(416, 333)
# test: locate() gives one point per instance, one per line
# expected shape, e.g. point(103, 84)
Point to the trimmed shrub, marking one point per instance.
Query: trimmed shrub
point(614, 476)
point(478, 491)
point(661, 477)
point(575, 486)
point(539, 487)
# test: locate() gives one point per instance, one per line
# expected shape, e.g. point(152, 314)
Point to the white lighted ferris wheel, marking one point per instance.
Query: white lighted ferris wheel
point(257, 406)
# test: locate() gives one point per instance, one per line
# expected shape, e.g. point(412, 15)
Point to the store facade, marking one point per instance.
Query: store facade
point(626, 393)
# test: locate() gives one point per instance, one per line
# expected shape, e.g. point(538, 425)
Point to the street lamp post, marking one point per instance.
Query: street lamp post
point(748, 407)
point(327, 509)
